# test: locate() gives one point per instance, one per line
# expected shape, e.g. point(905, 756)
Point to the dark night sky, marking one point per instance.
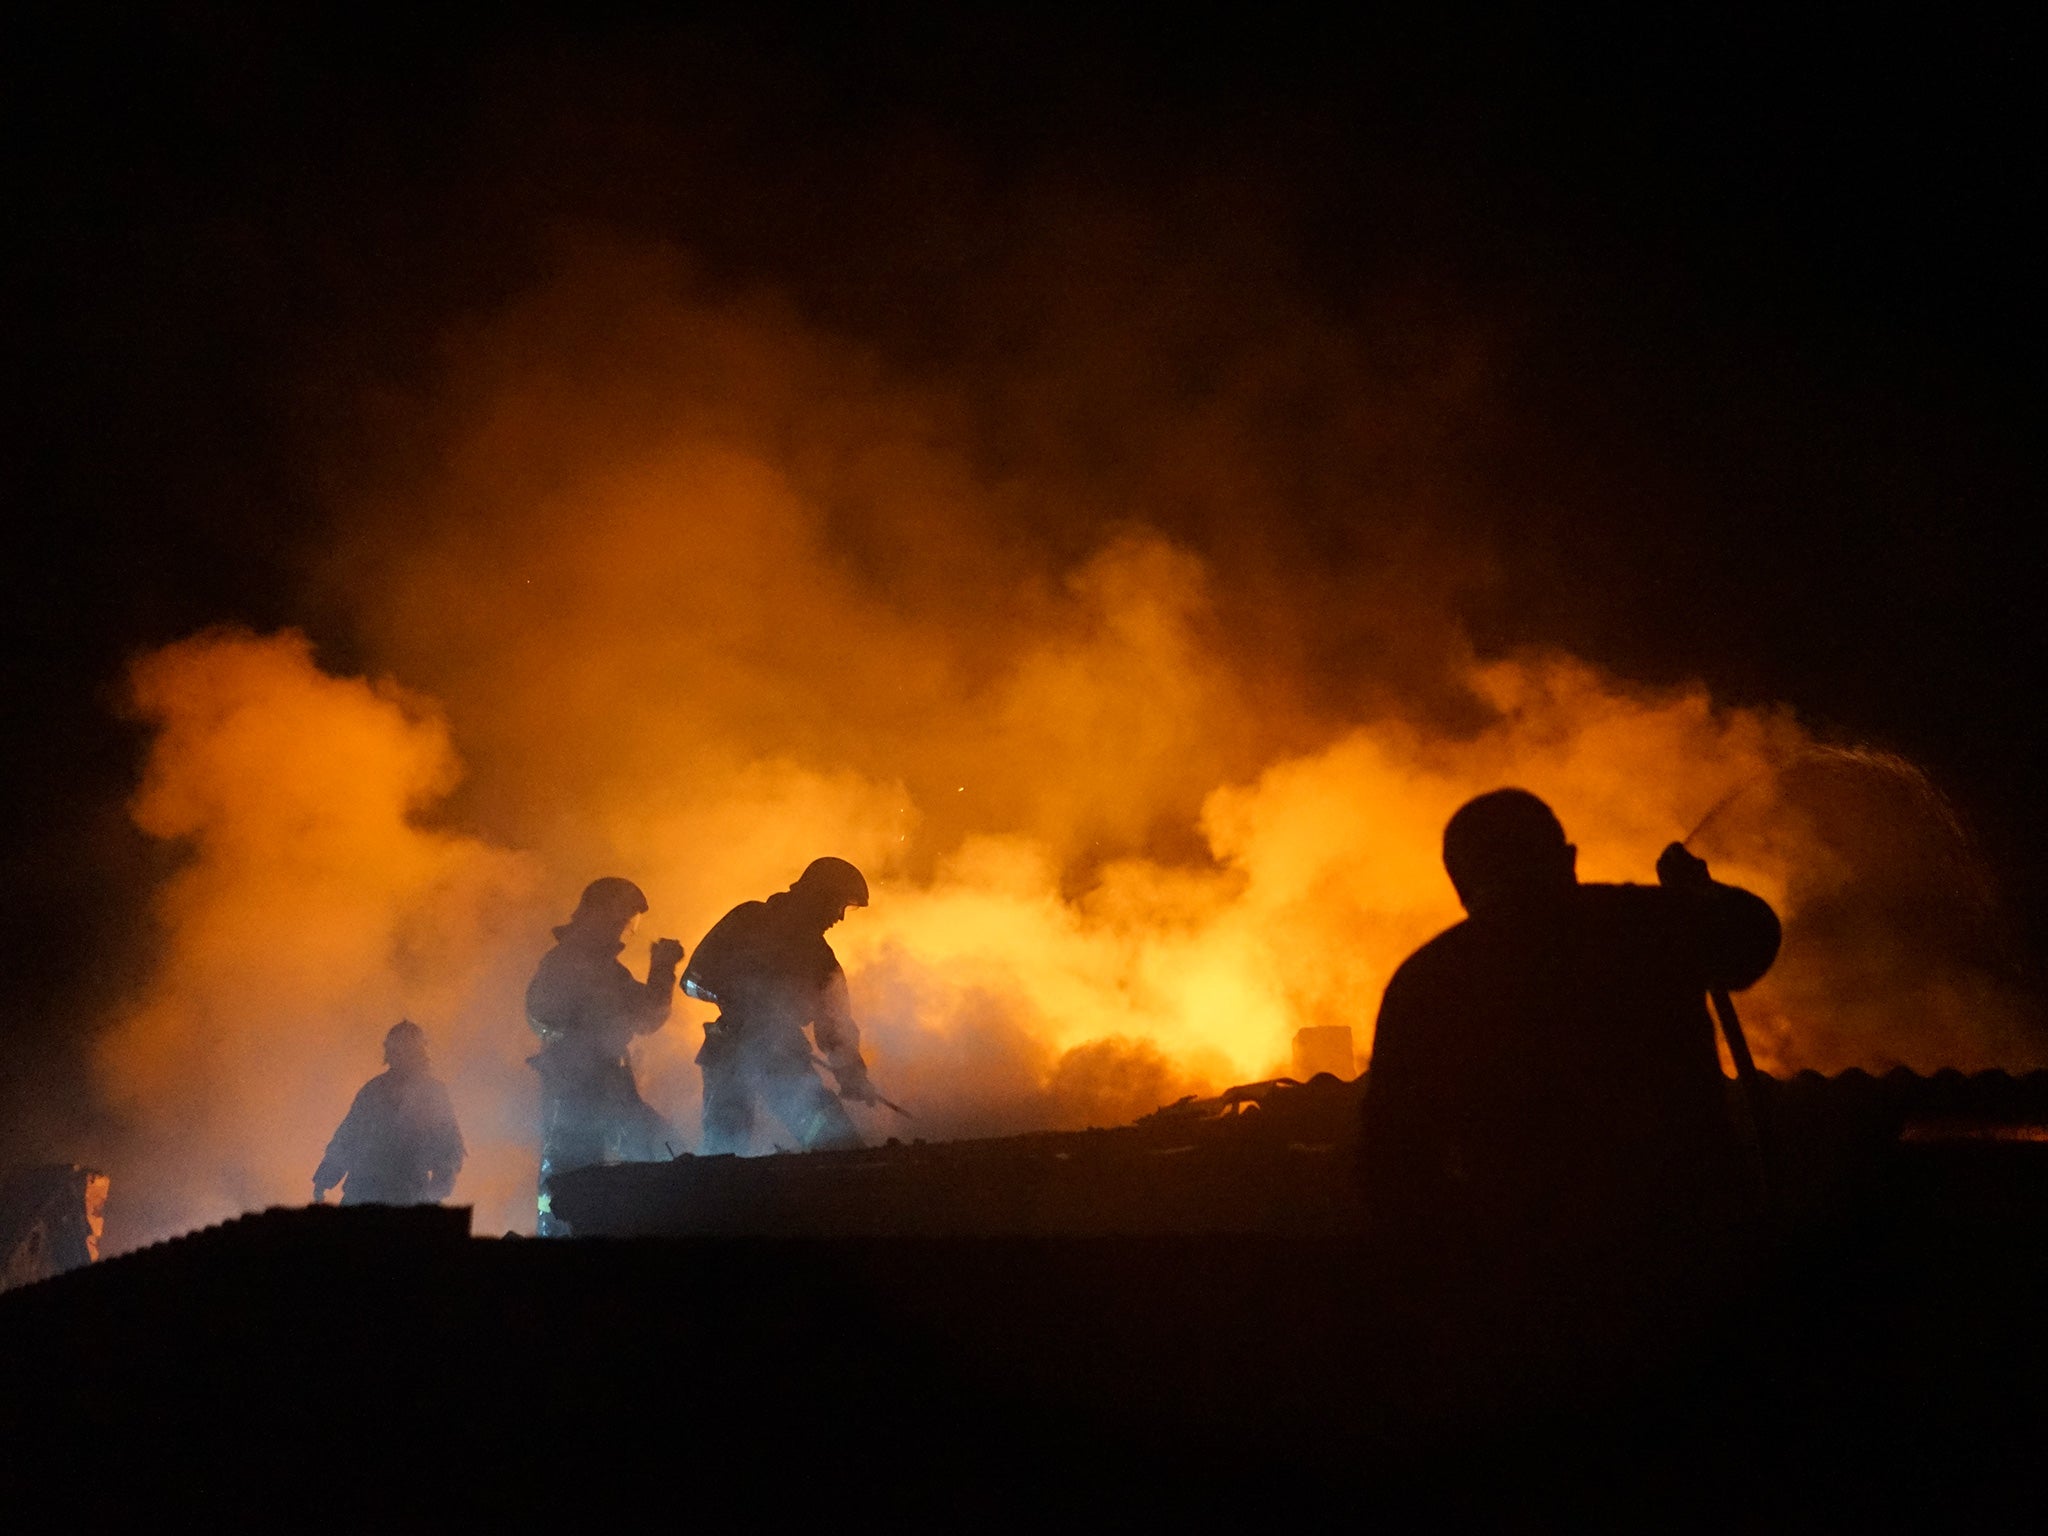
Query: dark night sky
point(1766, 415)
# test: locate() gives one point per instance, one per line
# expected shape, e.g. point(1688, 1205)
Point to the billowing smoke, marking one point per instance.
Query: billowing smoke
point(313, 912)
point(687, 590)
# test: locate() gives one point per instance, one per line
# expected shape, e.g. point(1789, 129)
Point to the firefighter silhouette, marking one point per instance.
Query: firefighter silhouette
point(767, 966)
point(586, 1008)
point(399, 1144)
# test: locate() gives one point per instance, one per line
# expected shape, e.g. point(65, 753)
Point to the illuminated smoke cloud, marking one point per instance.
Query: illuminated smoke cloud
point(313, 911)
point(698, 593)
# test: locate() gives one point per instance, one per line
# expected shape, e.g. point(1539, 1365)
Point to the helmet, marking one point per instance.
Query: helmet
point(405, 1046)
point(609, 903)
point(834, 881)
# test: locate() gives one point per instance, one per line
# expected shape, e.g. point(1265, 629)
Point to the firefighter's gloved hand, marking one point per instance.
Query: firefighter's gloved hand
point(854, 1084)
point(666, 954)
point(1679, 869)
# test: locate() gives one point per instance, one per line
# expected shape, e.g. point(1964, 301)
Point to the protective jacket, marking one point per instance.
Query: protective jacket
point(398, 1145)
point(1562, 1048)
point(587, 1008)
point(771, 972)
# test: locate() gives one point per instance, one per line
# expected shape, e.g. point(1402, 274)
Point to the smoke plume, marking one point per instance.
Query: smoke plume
point(683, 587)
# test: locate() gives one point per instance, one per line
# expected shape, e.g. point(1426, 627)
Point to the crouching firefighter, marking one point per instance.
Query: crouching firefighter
point(587, 1008)
point(768, 968)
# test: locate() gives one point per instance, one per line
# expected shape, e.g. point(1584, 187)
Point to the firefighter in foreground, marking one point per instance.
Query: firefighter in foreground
point(399, 1144)
point(1548, 1149)
point(768, 968)
point(587, 1008)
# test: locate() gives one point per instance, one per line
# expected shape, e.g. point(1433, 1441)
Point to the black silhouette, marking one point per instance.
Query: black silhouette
point(1547, 1148)
point(398, 1144)
point(587, 1008)
point(767, 966)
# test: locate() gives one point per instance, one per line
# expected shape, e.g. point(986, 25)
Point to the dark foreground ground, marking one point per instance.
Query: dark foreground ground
point(381, 1369)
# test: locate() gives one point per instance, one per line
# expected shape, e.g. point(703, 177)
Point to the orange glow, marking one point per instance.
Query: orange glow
point(694, 596)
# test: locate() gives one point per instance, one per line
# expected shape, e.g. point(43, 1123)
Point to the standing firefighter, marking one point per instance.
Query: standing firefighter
point(587, 1008)
point(1553, 1173)
point(399, 1144)
point(767, 966)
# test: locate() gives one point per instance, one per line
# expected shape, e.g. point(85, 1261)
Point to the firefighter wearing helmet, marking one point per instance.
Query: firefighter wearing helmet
point(768, 968)
point(587, 1008)
point(400, 1144)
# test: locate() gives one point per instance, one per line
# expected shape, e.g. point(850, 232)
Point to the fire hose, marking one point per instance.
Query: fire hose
point(1762, 1153)
point(1752, 1082)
